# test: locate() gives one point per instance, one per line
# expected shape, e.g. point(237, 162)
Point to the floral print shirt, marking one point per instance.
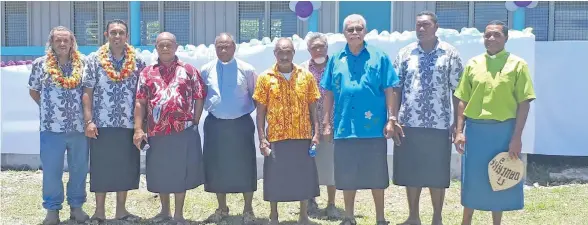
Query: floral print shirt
point(427, 81)
point(114, 102)
point(318, 75)
point(171, 92)
point(287, 101)
point(60, 109)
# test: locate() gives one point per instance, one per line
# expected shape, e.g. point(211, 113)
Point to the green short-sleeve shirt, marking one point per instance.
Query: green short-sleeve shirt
point(493, 86)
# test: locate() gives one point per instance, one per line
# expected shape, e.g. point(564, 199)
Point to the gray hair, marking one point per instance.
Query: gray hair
point(429, 13)
point(48, 45)
point(314, 36)
point(354, 18)
point(284, 39)
point(225, 34)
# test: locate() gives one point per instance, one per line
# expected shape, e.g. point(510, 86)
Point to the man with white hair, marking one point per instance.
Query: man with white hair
point(55, 85)
point(317, 47)
point(360, 80)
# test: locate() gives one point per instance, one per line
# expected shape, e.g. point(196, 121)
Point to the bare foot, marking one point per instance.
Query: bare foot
point(304, 220)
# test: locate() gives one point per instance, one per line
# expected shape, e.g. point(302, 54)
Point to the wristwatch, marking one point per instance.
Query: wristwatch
point(88, 122)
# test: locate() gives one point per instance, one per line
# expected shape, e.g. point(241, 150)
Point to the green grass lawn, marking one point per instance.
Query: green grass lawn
point(568, 204)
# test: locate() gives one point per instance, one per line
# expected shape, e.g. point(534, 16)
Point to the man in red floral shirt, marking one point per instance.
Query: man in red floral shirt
point(172, 94)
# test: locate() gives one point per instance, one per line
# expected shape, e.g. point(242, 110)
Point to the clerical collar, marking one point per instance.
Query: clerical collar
point(227, 63)
point(497, 55)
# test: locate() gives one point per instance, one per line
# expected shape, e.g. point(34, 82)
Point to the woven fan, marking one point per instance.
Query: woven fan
point(505, 172)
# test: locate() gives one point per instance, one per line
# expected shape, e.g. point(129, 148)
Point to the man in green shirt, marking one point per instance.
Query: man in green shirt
point(495, 93)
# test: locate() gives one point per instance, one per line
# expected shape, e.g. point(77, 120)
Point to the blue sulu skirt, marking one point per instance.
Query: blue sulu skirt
point(484, 140)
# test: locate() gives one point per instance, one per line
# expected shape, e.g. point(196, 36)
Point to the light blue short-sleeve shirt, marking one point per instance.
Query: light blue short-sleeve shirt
point(229, 88)
point(358, 84)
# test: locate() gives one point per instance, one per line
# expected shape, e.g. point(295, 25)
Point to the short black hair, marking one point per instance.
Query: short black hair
point(117, 21)
point(428, 13)
point(498, 22)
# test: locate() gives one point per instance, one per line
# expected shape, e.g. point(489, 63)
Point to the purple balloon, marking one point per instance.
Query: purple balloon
point(303, 9)
point(522, 3)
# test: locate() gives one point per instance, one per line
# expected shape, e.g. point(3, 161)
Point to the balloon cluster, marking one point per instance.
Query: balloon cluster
point(303, 9)
point(15, 63)
point(514, 5)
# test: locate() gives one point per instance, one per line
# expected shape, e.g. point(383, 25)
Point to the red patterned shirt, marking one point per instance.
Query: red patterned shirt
point(170, 92)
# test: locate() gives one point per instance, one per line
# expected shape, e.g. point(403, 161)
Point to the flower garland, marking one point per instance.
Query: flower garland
point(52, 67)
point(128, 65)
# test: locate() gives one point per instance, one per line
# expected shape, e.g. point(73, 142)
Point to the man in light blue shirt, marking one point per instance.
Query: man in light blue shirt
point(229, 144)
point(359, 81)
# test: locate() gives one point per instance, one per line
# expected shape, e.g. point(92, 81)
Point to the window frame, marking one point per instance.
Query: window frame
point(550, 27)
point(191, 20)
point(101, 22)
point(160, 17)
point(471, 12)
point(28, 22)
point(300, 28)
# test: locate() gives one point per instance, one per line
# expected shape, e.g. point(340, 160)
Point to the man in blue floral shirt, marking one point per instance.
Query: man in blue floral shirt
point(110, 82)
point(55, 85)
point(429, 71)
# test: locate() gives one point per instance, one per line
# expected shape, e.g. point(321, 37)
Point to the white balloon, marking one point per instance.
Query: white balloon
point(292, 5)
point(303, 18)
point(510, 6)
point(533, 4)
point(316, 5)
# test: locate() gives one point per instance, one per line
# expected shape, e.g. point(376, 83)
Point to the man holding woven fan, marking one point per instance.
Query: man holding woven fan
point(110, 82)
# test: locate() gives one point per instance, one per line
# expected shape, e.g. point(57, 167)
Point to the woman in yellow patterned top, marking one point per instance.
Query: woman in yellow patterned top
point(286, 95)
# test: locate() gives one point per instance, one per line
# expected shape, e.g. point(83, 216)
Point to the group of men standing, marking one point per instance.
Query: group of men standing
point(110, 105)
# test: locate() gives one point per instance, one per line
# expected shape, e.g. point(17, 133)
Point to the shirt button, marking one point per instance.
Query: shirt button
point(352, 107)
